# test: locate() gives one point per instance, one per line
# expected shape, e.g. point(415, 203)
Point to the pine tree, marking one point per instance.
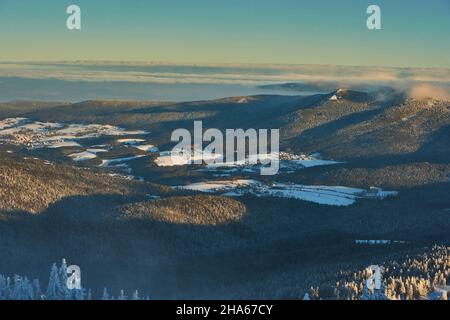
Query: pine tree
point(54, 285)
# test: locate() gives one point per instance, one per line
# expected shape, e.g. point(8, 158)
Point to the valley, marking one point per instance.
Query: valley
point(362, 181)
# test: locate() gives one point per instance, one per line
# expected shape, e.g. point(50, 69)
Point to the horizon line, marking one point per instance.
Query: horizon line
point(210, 64)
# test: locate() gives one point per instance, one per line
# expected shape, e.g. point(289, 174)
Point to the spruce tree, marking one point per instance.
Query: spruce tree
point(54, 285)
point(16, 293)
point(3, 288)
point(64, 290)
point(37, 290)
point(122, 296)
point(105, 295)
point(135, 296)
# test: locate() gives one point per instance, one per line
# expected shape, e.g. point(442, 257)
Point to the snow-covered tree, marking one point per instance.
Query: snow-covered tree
point(3, 288)
point(122, 296)
point(78, 294)
point(89, 295)
point(135, 296)
point(37, 290)
point(54, 285)
point(62, 272)
point(27, 289)
point(16, 293)
point(105, 295)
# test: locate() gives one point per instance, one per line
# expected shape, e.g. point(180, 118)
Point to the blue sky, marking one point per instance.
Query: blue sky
point(415, 33)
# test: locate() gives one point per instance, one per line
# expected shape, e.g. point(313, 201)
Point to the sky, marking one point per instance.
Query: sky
point(415, 33)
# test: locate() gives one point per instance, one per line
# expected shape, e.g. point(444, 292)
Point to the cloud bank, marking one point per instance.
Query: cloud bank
point(417, 83)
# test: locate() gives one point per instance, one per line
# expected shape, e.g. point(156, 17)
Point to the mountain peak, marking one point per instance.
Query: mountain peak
point(350, 95)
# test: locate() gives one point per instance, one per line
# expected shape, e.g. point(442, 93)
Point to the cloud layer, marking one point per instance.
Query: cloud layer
point(418, 83)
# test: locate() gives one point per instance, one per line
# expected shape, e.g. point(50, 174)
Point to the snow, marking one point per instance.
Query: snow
point(147, 148)
point(165, 160)
point(336, 196)
point(64, 144)
point(35, 134)
point(180, 158)
point(11, 122)
point(94, 150)
point(83, 156)
point(334, 98)
point(243, 100)
point(314, 163)
point(326, 195)
point(111, 162)
point(130, 141)
point(288, 162)
point(89, 154)
point(218, 185)
point(382, 242)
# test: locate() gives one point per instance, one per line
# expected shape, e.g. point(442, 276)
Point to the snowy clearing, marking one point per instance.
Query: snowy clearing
point(65, 144)
point(130, 141)
point(82, 156)
point(35, 134)
point(288, 162)
point(112, 162)
point(327, 195)
point(146, 148)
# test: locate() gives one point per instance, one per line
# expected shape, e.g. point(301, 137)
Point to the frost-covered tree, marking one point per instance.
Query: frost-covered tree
point(105, 295)
point(37, 290)
point(3, 288)
point(54, 285)
point(62, 272)
point(135, 296)
point(27, 289)
point(16, 293)
point(79, 294)
point(89, 295)
point(21, 288)
point(122, 296)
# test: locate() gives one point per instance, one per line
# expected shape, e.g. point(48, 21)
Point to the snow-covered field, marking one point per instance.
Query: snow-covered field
point(118, 161)
point(180, 158)
point(327, 195)
point(86, 155)
point(83, 156)
point(252, 164)
point(35, 134)
point(379, 242)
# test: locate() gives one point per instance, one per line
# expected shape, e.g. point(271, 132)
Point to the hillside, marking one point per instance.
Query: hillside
point(24, 184)
point(82, 181)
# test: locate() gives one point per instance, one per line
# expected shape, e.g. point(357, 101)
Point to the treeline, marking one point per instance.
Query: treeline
point(417, 278)
point(22, 288)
